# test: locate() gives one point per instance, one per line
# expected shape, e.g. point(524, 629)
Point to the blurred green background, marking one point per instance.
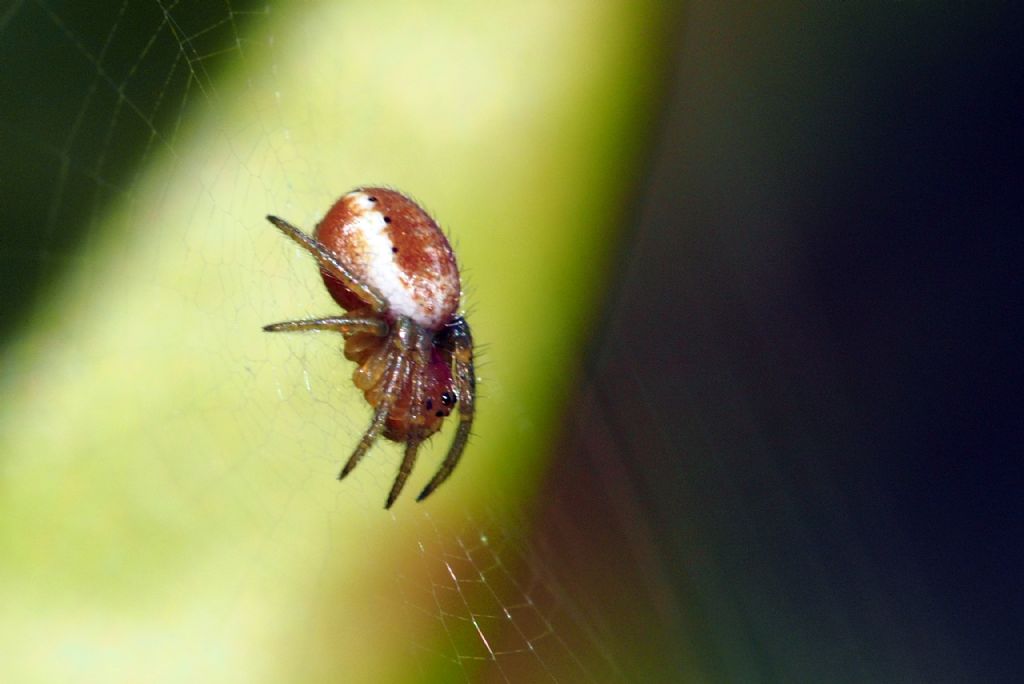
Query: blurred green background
point(743, 280)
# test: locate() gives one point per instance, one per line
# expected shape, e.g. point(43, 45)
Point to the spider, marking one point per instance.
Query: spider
point(385, 261)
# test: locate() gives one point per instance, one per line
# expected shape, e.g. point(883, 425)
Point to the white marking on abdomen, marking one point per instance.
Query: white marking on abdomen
point(382, 270)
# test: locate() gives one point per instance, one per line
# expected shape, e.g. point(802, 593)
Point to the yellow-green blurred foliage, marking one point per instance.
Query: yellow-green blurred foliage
point(168, 502)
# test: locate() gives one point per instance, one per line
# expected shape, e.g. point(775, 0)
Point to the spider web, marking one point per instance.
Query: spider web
point(503, 591)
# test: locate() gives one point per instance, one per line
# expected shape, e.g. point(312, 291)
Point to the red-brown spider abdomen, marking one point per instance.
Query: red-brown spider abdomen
point(390, 243)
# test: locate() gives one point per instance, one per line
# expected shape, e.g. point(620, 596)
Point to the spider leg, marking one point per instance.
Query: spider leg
point(346, 325)
point(414, 441)
point(397, 373)
point(395, 376)
point(461, 344)
point(330, 263)
point(411, 447)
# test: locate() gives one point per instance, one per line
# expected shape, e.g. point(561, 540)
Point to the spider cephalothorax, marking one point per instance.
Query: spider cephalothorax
point(386, 262)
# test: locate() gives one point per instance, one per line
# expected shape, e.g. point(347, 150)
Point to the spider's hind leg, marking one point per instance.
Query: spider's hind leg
point(346, 325)
point(329, 262)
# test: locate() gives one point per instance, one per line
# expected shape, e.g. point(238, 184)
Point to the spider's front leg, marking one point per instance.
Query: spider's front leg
point(459, 343)
point(421, 357)
point(395, 377)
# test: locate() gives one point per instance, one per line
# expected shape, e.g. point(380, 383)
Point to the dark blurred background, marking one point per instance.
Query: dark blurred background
point(74, 131)
point(801, 416)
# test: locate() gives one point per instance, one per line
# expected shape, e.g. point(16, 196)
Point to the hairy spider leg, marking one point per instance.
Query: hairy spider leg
point(412, 446)
point(415, 438)
point(330, 263)
point(397, 373)
point(346, 325)
point(461, 344)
